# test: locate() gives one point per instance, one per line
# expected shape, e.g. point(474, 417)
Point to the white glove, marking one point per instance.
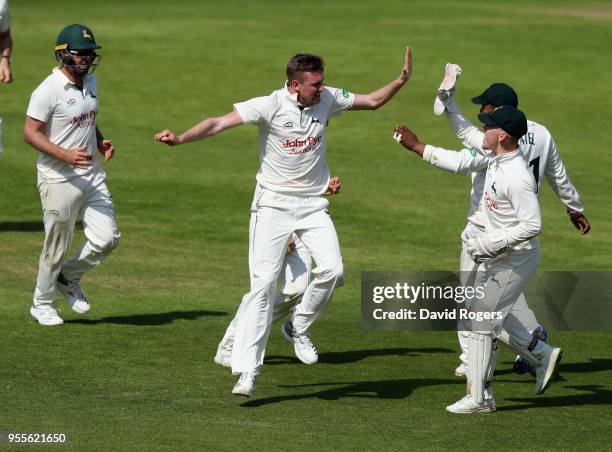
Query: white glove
point(447, 87)
point(471, 231)
point(487, 246)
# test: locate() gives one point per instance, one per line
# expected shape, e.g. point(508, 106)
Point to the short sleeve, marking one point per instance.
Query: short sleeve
point(41, 105)
point(5, 17)
point(256, 111)
point(342, 100)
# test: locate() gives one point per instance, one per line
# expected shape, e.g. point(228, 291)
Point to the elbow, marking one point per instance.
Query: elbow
point(372, 103)
point(535, 229)
point(27, 137)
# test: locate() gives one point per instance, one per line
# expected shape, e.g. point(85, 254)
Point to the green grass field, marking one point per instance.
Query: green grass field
point(137, 372)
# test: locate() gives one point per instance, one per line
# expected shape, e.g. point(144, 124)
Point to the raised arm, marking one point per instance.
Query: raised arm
point(470, 135)
point(381, 96)
point(205, 129)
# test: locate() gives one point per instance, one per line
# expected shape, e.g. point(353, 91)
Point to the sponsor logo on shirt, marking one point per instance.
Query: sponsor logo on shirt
point(491, 205)
point(296, 146)
point(71, 102)
point(288, 124)
point(85, 120)
point(345, 93)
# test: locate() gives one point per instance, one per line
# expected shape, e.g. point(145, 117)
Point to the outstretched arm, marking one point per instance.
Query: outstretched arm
point(205, 129)
point(460, 162)
point(382, 95)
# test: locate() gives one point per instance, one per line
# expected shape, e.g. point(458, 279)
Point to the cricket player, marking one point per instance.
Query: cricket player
point(61, 124)
point(291, 180)
point(539, 151)
point(508, 248)
point(289, 290)
point(6, 48)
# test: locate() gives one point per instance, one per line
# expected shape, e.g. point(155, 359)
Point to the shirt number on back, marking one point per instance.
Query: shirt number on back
point(535, 163)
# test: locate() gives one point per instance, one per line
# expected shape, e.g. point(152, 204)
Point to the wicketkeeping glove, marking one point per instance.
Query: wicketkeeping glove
point(487, 246)
point(447, 87)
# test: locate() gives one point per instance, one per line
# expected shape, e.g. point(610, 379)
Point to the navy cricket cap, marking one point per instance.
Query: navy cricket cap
point(509, 119)
point(497, 94)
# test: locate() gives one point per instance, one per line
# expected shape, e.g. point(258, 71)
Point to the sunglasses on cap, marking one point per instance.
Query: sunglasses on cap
point(83, 52)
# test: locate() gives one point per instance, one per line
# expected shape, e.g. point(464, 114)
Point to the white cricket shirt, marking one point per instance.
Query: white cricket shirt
point(69, 115)
point(510, 201)
point(292, 139)
point(5, 16)
point(537, 148)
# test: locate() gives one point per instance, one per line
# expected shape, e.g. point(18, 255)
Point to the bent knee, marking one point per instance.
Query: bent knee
point(106, 243)
point(335, 273)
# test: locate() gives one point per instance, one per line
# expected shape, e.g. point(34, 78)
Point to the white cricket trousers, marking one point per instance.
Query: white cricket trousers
point(468, 272)
point(63, 203)
point(277, 216)
point(290, 287)
point(502, 280)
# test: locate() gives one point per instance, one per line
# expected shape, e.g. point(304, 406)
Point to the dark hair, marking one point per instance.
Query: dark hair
point(303, 62)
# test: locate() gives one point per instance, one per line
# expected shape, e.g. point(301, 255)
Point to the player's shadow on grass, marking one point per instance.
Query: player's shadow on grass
point(597, 395)
point(21, 226)
point(27, 226)
point(351, 356)
point(378, 389)
point(161, 318)
point(593, 365)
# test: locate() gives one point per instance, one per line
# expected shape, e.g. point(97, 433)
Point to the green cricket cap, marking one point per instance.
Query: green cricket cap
point(509, 119)
point(76, 37)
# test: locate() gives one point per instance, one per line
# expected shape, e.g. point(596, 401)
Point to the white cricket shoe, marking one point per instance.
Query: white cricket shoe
point(461, 370)
point(468, 405)
point(71, 290)
point(548, 369)
point(246, 384)
point(46, 315)
point(302, 344)
point(223, 358)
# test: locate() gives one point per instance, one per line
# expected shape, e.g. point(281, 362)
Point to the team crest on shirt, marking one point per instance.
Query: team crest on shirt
point(288, 124)
point(71, 101)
